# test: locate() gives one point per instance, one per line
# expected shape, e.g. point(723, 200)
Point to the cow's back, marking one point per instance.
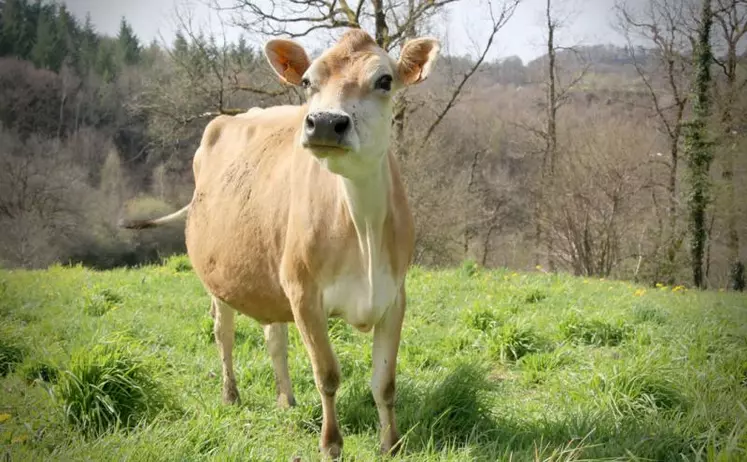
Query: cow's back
point(238, 216)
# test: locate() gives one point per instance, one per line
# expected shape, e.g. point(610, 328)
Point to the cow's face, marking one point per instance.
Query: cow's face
point(349, 91)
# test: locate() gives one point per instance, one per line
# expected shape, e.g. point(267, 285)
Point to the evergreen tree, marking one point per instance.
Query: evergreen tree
point(180, 46)
point(46, 46)
point(128, 44)
point(107, 65)
point(88, 43)
point(16, 34)
point(66, 36)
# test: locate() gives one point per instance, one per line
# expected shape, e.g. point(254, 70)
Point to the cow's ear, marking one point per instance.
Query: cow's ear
point(288, 59)
point(416, 59)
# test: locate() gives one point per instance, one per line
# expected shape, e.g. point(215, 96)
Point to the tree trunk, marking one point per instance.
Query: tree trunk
point(698, 149)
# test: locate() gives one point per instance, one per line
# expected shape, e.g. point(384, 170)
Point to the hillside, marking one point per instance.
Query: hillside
point(494, 365)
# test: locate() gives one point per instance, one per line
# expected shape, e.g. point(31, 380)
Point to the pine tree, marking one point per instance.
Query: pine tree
point(16, 34)
point(88, 43)
point(66, 30)
point(128, 44)
point(46, 45)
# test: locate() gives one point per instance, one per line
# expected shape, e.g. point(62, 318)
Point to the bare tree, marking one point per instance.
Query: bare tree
point(557, 91)
point(730, 31)
point(663, 70)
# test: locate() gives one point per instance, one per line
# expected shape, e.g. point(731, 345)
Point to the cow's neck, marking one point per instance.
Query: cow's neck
point(367, 200)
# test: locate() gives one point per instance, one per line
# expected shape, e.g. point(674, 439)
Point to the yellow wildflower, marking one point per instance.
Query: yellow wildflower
point(539, 267)
point(4, 417)
point(639, 292)
point(659, 285)
point(678, 288)
point(20, 439)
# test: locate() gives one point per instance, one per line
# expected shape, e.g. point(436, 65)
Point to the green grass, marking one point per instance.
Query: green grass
point(493, 365)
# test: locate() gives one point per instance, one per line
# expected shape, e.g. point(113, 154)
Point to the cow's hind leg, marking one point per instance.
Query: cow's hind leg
point(223, 328)
point(385, 346)
point(276, 337)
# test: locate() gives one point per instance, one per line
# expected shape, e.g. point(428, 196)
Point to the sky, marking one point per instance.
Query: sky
point(587, 22)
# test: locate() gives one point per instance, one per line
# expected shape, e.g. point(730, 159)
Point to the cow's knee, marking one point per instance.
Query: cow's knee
point(329, 381)
point(384, 393)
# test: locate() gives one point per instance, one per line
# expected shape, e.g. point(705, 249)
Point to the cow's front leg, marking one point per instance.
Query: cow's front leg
point(223, 328)
point(312, 324)
point(385, 346)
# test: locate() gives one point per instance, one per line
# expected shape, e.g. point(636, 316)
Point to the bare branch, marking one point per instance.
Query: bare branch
point(506, 13)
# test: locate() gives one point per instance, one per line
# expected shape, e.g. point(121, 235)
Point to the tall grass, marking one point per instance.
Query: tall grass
point(109, 387)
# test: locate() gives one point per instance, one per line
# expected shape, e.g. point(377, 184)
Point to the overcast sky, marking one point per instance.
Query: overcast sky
point(588, 22)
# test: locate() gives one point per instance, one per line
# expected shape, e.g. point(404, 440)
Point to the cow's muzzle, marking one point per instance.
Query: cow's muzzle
point(326, 130)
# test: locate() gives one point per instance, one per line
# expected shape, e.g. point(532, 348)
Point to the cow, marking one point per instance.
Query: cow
point(299, 214)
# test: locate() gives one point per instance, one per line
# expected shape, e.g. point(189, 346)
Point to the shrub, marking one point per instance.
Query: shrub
point(595, 332)
point(107, 387)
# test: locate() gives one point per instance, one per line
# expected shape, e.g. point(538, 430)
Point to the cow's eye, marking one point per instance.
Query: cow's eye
point(384, 83)
point(305, 82)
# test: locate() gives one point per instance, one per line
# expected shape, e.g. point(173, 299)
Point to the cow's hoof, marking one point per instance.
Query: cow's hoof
point(332, 451)
point(331, 444)
point(285, 401)
point(231, 395)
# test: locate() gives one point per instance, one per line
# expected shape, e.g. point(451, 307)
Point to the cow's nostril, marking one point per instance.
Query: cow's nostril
point(342, 126)
point(309, 123)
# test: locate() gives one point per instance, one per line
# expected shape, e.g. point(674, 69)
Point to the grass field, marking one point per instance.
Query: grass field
point(494, 365)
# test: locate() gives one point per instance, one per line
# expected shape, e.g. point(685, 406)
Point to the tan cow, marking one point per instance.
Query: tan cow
point(299, 214)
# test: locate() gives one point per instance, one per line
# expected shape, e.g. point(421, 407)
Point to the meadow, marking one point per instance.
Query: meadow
point(493, 365)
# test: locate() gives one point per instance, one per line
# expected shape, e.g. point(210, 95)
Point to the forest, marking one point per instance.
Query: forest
point(597, 160)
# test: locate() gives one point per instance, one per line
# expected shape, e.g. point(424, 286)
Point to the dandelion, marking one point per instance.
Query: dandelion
point(678, 288)
point(659, 285)
point(4, 417)
point(538, 267)
point(20, 439)
point(639, 292)
point(586, 281)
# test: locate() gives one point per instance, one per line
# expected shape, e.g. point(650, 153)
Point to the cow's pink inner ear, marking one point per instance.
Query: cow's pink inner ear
point(416, 60)
point(288, 59)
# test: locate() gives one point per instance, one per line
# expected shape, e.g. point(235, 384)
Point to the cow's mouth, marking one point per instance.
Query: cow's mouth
point(326, 150)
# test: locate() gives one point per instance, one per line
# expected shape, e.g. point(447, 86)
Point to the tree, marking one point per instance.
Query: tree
point(88, 43)
point(730, 18)
point(44, 51)
point(663, 71)
point(697, 148)
point(17, 33)
point(128, 44)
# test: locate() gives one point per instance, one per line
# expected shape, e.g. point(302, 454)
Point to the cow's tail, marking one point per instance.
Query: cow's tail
point(145, 224)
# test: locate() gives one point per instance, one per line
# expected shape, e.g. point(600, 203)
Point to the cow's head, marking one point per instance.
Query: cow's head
point(349, 91)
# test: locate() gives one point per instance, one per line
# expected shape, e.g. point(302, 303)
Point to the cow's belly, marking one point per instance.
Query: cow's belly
point(359, 299)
